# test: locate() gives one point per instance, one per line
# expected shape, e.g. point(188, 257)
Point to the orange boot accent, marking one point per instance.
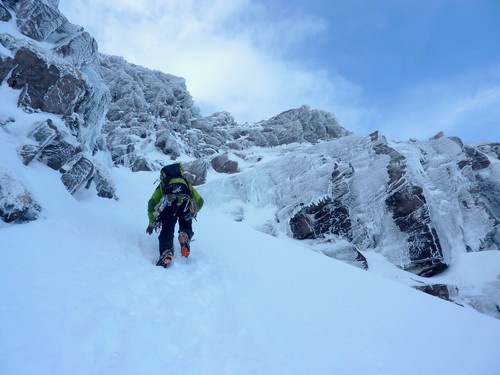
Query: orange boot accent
point(184, 241)
point(165, 258)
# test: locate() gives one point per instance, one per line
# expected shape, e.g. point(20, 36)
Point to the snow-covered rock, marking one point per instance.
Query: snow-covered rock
point(148, 110)
point(38, 19)
point(16, 202)
point(58, 80)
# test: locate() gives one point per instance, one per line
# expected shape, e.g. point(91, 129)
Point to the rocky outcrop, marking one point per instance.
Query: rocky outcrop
point(77, 46)
point(39, 19)
point(148, 109)
point(61, 81)
point(298, 126)
point(152, 108)
point(57, 150)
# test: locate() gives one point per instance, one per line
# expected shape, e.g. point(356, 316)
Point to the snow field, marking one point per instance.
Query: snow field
point(81, 295)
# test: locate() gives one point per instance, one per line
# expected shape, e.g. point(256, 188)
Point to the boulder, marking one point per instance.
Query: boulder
point(104, 183)
point(16, 204)
point(43, 133)
point(196, 171)
point(222, 164)
point(78, 175)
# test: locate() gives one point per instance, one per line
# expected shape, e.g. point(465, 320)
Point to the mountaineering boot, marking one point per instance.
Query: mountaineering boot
point(184, 241)
point(165, 258)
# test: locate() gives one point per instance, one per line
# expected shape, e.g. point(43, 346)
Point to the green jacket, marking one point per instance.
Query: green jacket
point(155, 199)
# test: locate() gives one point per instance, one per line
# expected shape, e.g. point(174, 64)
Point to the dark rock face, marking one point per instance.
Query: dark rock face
point(478, 159)
point(56, 154)
point(331, 215)
point(404, 200)
point(410, 212)
point(43, 86)
point(417, 203)
point(10, 4)
point(327, 217)
point(43, 134)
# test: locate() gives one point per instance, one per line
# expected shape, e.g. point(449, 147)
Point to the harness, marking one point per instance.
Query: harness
point(176, 200)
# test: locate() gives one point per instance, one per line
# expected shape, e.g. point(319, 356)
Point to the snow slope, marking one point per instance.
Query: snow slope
point(81, 295)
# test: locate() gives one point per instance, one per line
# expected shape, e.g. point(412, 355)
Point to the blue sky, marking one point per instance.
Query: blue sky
point(408, 68)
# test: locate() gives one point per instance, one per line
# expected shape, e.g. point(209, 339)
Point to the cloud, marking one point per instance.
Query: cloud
point(466, 105)
point(236, 56)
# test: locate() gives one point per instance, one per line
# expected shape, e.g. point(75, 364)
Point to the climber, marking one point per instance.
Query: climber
point(174, 199)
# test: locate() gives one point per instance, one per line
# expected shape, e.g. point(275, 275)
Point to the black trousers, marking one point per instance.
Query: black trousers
point(169, 217)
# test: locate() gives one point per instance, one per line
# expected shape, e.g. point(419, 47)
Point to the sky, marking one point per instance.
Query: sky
point(407, 68)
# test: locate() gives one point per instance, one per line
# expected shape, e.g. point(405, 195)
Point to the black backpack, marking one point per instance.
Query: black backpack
point(173, 181)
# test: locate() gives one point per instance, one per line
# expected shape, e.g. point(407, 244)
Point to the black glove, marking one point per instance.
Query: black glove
point(150, 228)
